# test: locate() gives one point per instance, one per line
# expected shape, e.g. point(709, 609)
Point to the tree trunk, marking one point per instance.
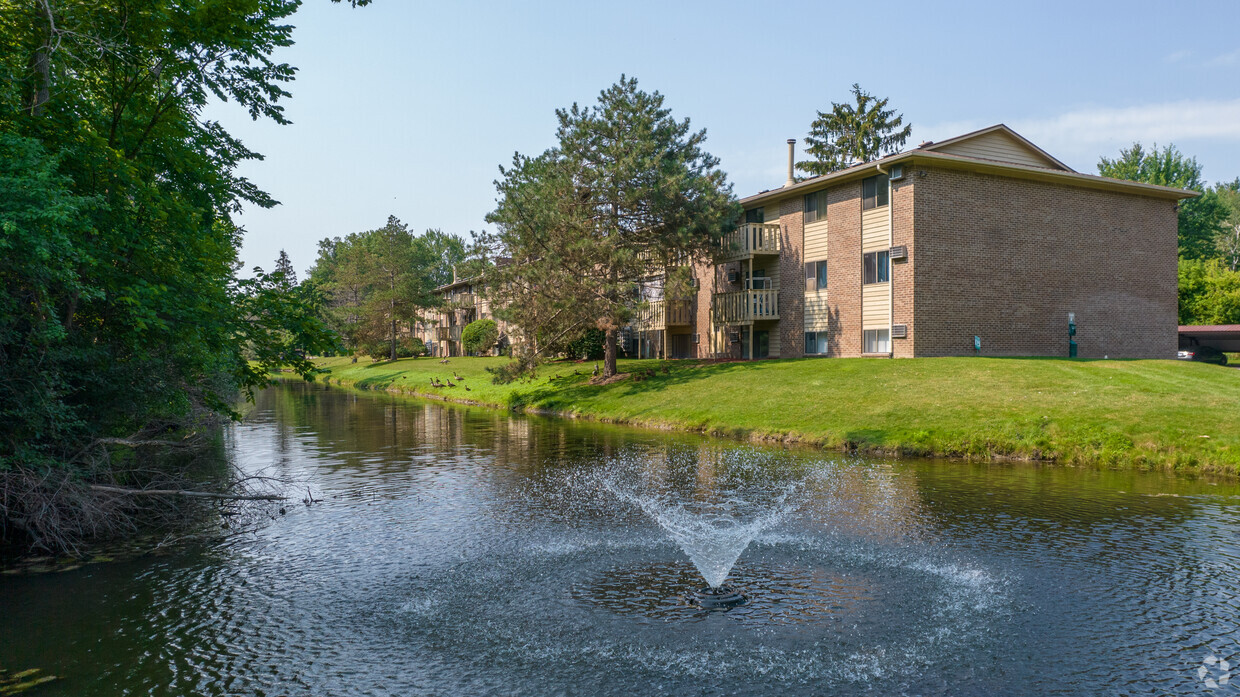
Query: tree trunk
point(393, 333)
point(609, 352)
point(41, 63)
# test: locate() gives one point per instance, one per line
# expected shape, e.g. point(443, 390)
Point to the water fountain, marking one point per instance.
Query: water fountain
point(712, 523)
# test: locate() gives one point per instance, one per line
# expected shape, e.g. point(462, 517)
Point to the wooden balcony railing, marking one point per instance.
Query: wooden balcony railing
point(452, 333)
point(662, 313)
point(749, 239)
point(745, 306)
point(461, 301)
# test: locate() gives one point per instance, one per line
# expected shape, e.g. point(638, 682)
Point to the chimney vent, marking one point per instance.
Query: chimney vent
point(791, 179)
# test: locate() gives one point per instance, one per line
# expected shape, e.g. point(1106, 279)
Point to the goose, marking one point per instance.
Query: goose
point(451, 384)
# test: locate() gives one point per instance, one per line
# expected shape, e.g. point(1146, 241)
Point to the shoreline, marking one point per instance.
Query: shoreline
point(688, 397)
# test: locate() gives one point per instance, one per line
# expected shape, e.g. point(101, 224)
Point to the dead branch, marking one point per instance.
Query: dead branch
point(186, 492)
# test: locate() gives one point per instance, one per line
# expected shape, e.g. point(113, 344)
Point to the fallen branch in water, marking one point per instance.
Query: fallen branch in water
point(185, 492)
point(136, 443)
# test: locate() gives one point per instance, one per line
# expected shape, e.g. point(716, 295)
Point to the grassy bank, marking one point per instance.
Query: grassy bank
point(1149, 414)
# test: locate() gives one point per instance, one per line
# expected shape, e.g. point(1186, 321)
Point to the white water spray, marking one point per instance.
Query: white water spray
point(712, 534)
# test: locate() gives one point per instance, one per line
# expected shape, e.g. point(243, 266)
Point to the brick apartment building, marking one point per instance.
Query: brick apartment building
point(983, 239)
point(980, 238)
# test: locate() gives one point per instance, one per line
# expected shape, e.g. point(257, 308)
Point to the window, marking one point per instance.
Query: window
point(877, 341)
point(816, 206)
point(874, 192)
point(815, 276)
point(815, 343)
point(760, 281)
point(755, 215)
point(876, 267)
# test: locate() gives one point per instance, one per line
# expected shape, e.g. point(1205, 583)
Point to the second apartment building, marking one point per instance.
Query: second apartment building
point(979, 244)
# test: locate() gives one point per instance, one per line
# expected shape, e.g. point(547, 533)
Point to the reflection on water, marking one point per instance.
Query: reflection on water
point(453, 555)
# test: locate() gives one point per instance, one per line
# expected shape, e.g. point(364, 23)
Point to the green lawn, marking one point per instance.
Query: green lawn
point(1173, 414)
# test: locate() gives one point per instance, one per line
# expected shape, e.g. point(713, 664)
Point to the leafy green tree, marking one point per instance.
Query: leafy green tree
point(448, 252)
point(380, 281)
point(480, 336)
point(417, 347)
point(1209, 292)
point(626, 189)
point(850, 134)
point(1228, 241)
point(122, 310)
point(1201, 219)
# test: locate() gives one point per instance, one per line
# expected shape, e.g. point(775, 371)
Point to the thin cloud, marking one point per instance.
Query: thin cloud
point(1232, 58)
point(1080, 136)
point(1177, 56)
point(1166, 123)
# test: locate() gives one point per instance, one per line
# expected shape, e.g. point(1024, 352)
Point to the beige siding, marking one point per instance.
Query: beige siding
point(816, 309)
point(998, 146)
point(876, 306)
point(875, 230)
point(772, 329)
point(816, 241)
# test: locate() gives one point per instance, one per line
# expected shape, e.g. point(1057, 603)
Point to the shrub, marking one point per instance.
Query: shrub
point(480, 336)
point(417, 347)
point(589, 346)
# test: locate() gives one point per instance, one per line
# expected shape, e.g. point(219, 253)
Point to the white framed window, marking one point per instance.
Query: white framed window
point(815, 206)
point(876, 341)
point(876, 267)
point(815, 276)
point(815, 343)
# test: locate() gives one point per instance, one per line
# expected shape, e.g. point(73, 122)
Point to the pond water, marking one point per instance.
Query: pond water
point(469, 552)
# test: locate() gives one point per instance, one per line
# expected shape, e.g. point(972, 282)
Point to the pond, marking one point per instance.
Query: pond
point(472, 552)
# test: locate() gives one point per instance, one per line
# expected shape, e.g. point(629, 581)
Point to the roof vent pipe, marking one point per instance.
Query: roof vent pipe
point(791, 179)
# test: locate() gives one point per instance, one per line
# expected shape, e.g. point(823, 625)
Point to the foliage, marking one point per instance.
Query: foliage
point(417, 347)
point(121, 307)
point(628, 189)
point(1228, 241)
point(1201, 219)
point(851, 134)
point(479, 336)
point(1209, 293)
point(588, 346)
point(382, 280)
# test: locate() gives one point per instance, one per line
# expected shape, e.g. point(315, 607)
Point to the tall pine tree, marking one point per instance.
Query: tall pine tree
point(627, 189)
point(851, 134)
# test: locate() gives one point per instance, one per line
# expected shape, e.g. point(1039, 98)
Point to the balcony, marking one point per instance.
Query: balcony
point(745, 307)
point(748, 240)
point(662, 313)
point(452, 333)
point(461, 301)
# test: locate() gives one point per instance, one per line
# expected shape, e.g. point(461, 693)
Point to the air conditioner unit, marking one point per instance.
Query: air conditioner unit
point(899, 331)
point(897, 172)
point(734, 276)
point(697, 338)
point(734, 337)
point(899, 252)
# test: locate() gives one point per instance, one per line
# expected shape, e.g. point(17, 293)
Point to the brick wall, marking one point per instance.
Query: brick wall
point(903, 201)
point(844, 269)
point(705, 274)
point(1007, 259)
point(791, 278)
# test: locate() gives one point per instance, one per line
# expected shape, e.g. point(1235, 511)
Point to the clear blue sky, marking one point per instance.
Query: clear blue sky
point(407, 107)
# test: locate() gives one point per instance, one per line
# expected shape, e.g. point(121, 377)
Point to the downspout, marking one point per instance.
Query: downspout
point(891, 268)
